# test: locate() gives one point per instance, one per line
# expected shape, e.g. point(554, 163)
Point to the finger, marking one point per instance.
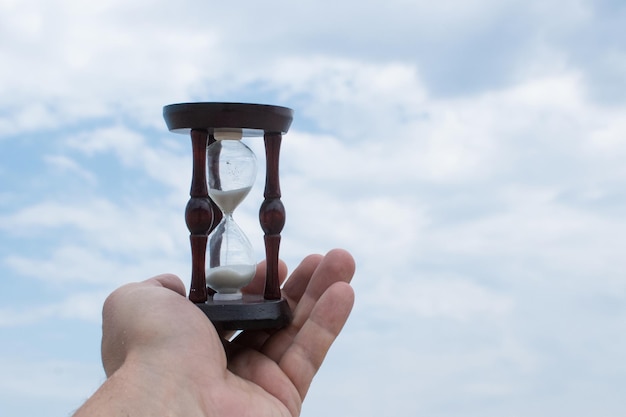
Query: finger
point(308, 281)
point(336, 266)
point(257, 286)
point(292, 291)
point(299, 279)
point(169, 281)
point(303, 358)
point(124, 302)
point(253, 367)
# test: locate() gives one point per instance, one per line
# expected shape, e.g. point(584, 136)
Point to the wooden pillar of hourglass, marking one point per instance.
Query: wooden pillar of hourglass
point(260, 311)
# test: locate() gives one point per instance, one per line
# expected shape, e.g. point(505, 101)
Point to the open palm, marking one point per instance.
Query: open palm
point(153, 331)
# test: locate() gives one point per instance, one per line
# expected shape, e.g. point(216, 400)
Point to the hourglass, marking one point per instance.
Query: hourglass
point(232, 170)
point(217, 130)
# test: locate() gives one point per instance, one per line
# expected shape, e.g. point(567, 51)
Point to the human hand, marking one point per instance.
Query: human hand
point(164, 357)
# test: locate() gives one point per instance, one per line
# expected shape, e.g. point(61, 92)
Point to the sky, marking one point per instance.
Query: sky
point(469, 154)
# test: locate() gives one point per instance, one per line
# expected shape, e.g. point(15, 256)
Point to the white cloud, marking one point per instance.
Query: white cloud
point(455, 148)
point(62, 386)
point(110, 227)
point(535, 231)
point(166, 162)
point(70, 62)
point(430, 296)
point(66, 164)
point(77, 306)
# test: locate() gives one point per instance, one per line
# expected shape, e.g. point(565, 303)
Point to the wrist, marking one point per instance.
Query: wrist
point(138, 388)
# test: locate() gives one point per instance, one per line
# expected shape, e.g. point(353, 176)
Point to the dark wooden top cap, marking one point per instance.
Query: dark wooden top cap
point(253, 119)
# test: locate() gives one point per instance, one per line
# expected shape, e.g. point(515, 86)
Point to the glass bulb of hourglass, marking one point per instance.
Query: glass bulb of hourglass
point(232, 171)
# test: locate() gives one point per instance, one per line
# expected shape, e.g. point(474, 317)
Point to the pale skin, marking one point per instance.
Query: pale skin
point(162, 356)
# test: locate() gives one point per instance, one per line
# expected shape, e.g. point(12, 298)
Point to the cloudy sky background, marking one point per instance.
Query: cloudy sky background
point(470, 154)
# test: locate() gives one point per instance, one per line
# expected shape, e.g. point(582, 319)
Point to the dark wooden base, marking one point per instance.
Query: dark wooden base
point(253, 312)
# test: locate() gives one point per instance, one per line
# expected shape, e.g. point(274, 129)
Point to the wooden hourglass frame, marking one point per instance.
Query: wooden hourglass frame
point(202, 215)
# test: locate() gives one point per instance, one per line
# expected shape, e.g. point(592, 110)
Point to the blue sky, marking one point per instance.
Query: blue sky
point(468, 153)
